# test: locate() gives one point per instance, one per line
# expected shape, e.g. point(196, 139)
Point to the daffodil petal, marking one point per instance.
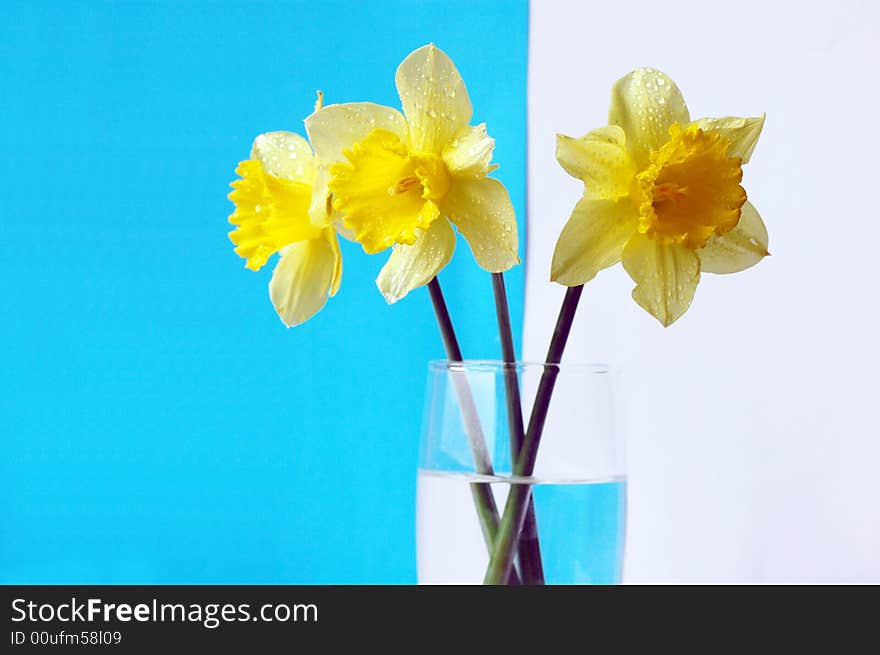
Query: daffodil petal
point(434, 98)
point(410, 267)
point(333, 240)
point(645, 104)
point(600, 160)
point(742, 247)
point(593, 239)
point(469, 154)
point(482, 212)
point(343, 231)
point(666, 276)
point(742, 133)
point(321, 211)
point(302, 280)
point(285, 155)
point(338, 127)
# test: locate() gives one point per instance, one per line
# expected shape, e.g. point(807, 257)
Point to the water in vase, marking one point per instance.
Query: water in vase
point(581, 526)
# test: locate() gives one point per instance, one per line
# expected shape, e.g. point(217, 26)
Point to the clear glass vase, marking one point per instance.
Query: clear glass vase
point(472, 491)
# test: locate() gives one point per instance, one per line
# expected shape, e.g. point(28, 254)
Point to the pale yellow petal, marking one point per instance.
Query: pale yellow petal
point(742, 247)
point(593, 239)
point(434, 98)
point(410, 267)
point(666, 276)
point(600, 160)
point(285, 155)
point(341, 229)
point(333, 240)
point(482, 212)
point(302, 280)
point(645, 104)
point(321, 210)
point(742, 133)
point(469, 154)
point(337, 127)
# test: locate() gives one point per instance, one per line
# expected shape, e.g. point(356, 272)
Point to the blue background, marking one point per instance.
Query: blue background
point(159, 424)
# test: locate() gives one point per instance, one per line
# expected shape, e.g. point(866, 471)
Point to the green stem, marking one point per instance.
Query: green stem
point(501, 562)
point(528, 549)
point(484, 499)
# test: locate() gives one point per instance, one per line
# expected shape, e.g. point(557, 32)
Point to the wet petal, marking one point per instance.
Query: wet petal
point(742, 133)
point(600, 160)
point(482, 212)
point(666, 276)
point(410, 267)
point(285, 155)
point(337, 127)
point(593, 239)
point(742, 247)
point(645, 104)
point(303, 278)
point(469, 154)
point(434, 98)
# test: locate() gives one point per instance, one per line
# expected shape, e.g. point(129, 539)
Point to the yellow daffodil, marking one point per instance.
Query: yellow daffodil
point(402, 180)
point(282, 205)
point(662, 194)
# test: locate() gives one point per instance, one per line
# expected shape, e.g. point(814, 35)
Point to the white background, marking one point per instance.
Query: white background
point(753, 440)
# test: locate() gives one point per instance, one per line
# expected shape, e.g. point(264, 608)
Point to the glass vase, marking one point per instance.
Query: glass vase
point(567, 517)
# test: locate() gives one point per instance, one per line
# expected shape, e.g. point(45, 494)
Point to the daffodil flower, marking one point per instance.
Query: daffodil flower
point(402, 180)
point(662, 194)
point(282, 205)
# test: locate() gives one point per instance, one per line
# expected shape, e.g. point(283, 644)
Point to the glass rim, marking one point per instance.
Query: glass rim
point(497, 365)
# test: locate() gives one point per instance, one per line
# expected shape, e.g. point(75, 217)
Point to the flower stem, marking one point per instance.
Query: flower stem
point(484, 499)
point(528, 549)
point(501, 561)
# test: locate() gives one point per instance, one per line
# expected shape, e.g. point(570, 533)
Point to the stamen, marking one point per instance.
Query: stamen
point(404, 185)
point(668, 191)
